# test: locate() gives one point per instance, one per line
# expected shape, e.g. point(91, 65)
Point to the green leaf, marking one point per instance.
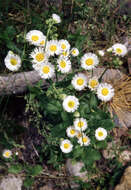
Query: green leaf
point(107, 124)
point(36, 170)
point(93, 101)
point(28, 182)
point(15, 169)
point(54, 107)
point(84, 109)
point(101, 145)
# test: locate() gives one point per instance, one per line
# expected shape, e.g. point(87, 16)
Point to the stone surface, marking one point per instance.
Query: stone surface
point(125, 156)
point(125, 183)
point(11, 183)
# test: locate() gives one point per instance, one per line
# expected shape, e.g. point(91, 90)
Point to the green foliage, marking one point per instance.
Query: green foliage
point(15, 169)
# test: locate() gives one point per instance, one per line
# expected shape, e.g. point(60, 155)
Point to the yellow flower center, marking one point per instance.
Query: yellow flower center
point(118, 50)
point(63, 46)
point(35, 38)
point(64, 53)
point(84, 139)
point(53, 47)
point(46, 69)
point(62, 64)
point(42, 42)
point(89, 61)
point(66, 145)
point(74, 51)
point(80, 81)
point(93, 83)
point(100, 133)
point(105, 91)
point(7, 154)
point(80, 124)
point(13, 61)
point(79, 135)
point(71, 104)
point(72, 131)
point(40, 57)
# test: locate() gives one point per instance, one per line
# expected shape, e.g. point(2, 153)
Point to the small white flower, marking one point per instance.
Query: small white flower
point(53, 47)
point(71, 132)
point(109, 49)
point(64, 54)
point(46, 71)
point(70, 103)
point(93, 83)
point(42, 41)
point(64, 65)
point(100, 134)
point(79, 81)
point(56, 18)
point(84, 140)
point(64, 45)
point(80, 124)
point(38, 55)
point(12, 61)
point(74, 52)
point(80, 134)
point(119, 49)
point(105, 92)
point(101, 52)
point(66, 146)
point(76, 114)
point(7, 153)
point(34, 37)
point(89, 61)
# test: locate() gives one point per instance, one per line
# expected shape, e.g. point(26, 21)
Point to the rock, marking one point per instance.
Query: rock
point(49, 186)
point(125, 182)
point(125, 156)
point(11, 183)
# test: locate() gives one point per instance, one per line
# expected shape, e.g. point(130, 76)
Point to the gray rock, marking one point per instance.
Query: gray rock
point(11, 183)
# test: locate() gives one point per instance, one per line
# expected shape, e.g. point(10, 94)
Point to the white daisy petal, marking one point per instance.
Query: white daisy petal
point(12, 61)
point(42, 41)
point(7, 153)
point(64, 65)
point(71, 132)
point(79, 81)
point(66, 146)
point(100, 134)
point(101, 52)
point(46, 71)
point(56, 18)
point(70, 103)
point(89, 61)
point(34, 37)
point(119, 49)
point(80, 124)
point(38, 55)
point(53, 47)
point(84, 140)
point(105, 92)
point(74, 52)
point(64, 45)
point(93, 83)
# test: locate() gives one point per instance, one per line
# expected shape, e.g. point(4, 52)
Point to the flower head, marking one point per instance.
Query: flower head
point(105, 92)
point(79, 81)
point(56, 18)
point(66, 146)
point(71, 132)
point(100, 134)
point(42, 41)
point(38, 55)
point(53, 47)
point(74, 52)
point(64, 65)
point(89, 61)
point(7, 153)
point(80, 124)
point(70, 103)
point(84, 140)
point(119, 49)
point(101, 52)
point(64, 45)
point(46, 70)
point(12, 61)
point(34, 37)
point(93, 83)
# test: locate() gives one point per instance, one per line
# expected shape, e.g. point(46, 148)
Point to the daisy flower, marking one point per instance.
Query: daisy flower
point(34, 37)
point(56, 18)
point(74, 52)
point(71, 132)
point(89, 61)
point(80, 124)
point(64, 54)
point(93, 83)
point(64, 45)
point(101, 52)
point(38, 55)
point(64, 65)
point(12, 61)
point(46, 71)
point(119, 49)
point(79, 81)
point(66, 146)
point(100, 134)
point(53, 47)
point(84, 140)
point(79, 134)
point(70, 103)
point(105, 92)
point(7, 153)
point(42, 41)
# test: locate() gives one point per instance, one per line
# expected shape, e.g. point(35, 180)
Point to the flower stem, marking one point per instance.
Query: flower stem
point(103, 74)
